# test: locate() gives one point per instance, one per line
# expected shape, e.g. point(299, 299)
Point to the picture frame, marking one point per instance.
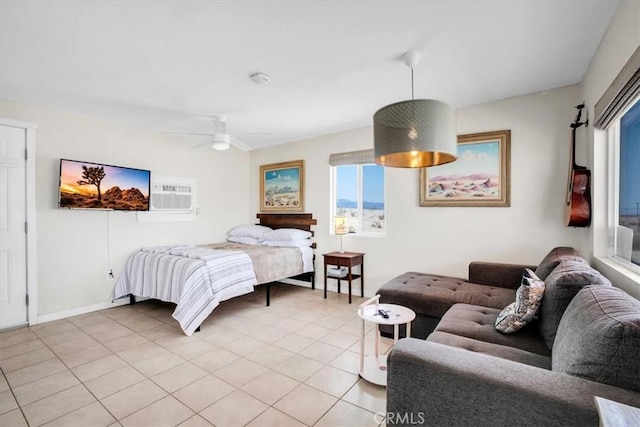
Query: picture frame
point(282, 187)
point(481, 176)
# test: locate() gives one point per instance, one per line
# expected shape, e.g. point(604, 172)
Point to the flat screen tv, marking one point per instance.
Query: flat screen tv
point(86, 185)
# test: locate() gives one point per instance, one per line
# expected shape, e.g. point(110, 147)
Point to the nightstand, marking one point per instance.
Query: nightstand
point(344, 259)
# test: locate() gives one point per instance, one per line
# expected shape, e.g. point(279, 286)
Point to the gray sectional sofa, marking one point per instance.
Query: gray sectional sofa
point(584, 342)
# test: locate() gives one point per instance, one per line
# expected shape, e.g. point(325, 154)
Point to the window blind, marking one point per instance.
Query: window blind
point(352, 158)
point(622, 92)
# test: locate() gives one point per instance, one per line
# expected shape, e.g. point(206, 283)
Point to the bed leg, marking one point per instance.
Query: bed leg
point(132, 299)
point(313, 279)
point(268, 294)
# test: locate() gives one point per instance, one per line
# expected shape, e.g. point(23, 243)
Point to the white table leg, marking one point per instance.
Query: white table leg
point(396, 332)
point(408, 329)
point(362, 349)
point(377, 340)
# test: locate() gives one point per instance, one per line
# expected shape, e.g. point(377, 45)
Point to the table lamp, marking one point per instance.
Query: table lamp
point(340, 228)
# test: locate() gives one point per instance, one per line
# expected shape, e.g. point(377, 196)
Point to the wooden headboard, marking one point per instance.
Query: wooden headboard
point(302, 221)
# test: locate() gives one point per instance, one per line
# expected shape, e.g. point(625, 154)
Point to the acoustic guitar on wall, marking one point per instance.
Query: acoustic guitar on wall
point(577, 212)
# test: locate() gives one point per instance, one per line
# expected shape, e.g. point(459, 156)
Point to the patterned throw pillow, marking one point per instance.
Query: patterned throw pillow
point(528, 297)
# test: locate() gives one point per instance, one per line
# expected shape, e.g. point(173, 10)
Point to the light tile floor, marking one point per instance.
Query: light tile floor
point(294, 363)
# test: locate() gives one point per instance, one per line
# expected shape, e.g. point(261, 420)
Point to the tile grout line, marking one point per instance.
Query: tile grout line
point(79, 380)
point(14, 397)
point(324, 310)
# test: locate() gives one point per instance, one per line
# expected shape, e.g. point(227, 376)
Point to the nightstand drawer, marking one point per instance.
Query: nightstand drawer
point(342, 262)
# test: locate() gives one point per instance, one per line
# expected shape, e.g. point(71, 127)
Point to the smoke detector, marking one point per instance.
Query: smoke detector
point(260, 78)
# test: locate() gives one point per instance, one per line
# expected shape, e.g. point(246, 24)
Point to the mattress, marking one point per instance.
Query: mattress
point(198, 278)
point(272, 263)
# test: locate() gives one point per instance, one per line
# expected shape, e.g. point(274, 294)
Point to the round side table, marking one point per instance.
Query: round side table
point(374, 368)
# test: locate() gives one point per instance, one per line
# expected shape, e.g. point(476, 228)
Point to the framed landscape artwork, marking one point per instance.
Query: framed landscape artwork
point(282, 187)
point(479, 177)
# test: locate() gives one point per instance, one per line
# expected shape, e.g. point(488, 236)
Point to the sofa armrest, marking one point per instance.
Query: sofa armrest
point(435, 384)
point(495, 274)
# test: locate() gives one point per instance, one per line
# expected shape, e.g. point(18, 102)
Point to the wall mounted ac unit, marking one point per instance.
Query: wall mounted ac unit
point(171, 197)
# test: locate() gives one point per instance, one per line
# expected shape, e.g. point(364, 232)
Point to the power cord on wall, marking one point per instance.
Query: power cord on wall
point(110, 273)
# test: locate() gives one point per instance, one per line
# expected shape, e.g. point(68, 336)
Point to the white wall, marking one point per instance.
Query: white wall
point(72, 244)
point(620, 41)
point(444, 240)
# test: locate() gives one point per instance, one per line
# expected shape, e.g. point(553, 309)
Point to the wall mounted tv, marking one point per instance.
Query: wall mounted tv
point(86, 185)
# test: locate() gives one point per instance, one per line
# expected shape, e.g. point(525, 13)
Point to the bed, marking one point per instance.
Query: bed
point(198, 278)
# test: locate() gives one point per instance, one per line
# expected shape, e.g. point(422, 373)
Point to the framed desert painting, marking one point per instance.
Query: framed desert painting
point(479, 177)
point(282, 187)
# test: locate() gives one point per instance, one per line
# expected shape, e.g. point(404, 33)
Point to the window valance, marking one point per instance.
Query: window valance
point(359, 157)
point(622, 92)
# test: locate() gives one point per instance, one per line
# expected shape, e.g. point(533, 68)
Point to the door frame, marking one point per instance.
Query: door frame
point(30, 182)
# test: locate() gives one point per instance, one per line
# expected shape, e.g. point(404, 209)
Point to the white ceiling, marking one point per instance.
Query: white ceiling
point(170, 65)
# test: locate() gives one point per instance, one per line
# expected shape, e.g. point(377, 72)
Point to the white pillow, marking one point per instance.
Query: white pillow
point(288, 243)
point(250, 230)
point(287, 234)
point(243, 239)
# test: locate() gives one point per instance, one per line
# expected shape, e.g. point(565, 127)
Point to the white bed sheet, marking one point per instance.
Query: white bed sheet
point(194, 278)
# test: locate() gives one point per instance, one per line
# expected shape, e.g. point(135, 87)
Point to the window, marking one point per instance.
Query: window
point(617, 112)
point(624, 200)
point(358, 192)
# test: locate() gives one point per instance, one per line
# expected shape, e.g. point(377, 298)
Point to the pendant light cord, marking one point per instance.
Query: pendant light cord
point(412, 84)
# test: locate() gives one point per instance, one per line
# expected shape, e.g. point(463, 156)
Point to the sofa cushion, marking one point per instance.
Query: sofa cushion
point(528, 298)
point(564, 282)
point(433, 295)
point(599, 338)
point(491, 349)
point(477, 323)
point(553, 258)
point(509, 320)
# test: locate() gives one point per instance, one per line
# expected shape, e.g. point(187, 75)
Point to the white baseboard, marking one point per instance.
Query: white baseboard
point(332, 286)
point(80, 310)
point(124, 301)
point(301, 283)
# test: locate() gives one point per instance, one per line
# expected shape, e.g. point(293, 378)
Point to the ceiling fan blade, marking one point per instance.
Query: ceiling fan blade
point(219, 125)
point(254, 133)
point(201, 144)
point(190, 133)
point(239, 144)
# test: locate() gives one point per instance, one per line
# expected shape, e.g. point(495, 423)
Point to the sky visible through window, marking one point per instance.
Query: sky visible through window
point(347, 188)
point(373, 186)
point(359, 192)
point(629, 196)
point(630, 162)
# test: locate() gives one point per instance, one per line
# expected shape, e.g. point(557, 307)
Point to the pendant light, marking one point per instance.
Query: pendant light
point(416, 133)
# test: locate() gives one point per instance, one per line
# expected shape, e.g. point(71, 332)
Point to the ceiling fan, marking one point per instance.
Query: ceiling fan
point(220, 139)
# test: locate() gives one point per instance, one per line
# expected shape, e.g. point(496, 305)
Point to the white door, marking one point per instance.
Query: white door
point(13, 238)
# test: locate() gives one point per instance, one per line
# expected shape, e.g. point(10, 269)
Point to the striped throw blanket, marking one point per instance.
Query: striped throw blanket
point(194, 278)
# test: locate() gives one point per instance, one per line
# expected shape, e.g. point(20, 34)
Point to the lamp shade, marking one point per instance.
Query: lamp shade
point(340, 225)
point(415, 134)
